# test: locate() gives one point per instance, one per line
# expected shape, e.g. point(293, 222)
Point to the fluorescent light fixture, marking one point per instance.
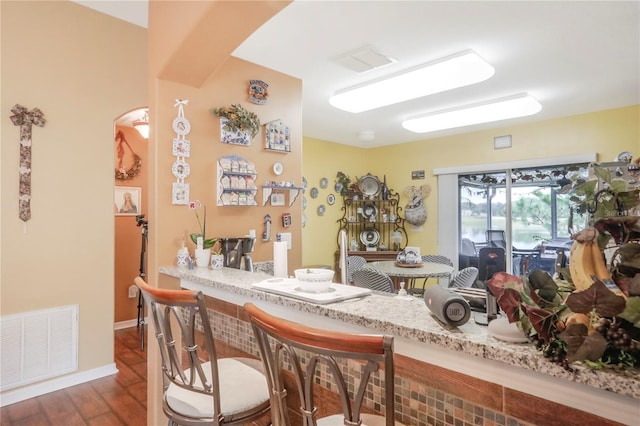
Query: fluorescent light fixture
point(516, 106)
point(461, 69)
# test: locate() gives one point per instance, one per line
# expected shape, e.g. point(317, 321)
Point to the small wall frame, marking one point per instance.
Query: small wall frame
point(127, 200)
point(277, 136)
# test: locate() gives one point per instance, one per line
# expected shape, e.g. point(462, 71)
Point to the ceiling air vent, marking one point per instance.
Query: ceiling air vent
point(364, 59)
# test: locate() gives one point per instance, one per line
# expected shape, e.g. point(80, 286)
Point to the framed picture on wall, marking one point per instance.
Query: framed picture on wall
point(127, 200)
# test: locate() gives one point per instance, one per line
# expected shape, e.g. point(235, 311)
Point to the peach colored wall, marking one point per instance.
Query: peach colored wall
point(128, 240)
point(189, 44)
point(82, 69)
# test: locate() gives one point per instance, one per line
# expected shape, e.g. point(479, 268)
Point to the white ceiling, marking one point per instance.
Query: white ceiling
point(574, 57)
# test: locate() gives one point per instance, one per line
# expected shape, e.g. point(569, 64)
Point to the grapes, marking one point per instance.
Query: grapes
point(622, 350)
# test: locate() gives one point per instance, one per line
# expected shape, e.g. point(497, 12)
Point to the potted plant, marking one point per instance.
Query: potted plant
point(238, 119)
point(203, 244)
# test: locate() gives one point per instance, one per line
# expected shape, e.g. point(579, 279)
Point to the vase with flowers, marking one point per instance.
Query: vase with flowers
point(237, 124)
point(203, 244)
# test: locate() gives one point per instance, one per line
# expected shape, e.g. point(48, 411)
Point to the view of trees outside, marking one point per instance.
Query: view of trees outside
point(531, 212)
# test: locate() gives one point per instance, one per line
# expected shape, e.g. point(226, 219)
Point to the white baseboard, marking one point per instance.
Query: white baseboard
point(128, 324)
point(37, 389)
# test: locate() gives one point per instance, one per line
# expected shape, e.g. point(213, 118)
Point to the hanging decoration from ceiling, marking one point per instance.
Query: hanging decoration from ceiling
point(181, 150)
point(26, 120)
point(122, 171)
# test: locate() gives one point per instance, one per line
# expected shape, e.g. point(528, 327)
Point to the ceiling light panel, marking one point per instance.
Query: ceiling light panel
point(455, 71)
point(521, 105)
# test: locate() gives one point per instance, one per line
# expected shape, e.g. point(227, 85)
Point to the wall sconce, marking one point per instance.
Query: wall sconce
point(142, 125)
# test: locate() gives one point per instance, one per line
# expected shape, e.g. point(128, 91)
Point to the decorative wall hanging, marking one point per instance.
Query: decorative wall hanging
point(25, 119)
point(181, 149)
point(277, 136)
point(415, 211)
point(237, 125)
point(127, 200)
point(124, 172)
point(258, 92)
point(236, 182)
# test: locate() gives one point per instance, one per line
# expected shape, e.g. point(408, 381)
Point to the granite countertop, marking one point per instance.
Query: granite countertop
point(411, 319)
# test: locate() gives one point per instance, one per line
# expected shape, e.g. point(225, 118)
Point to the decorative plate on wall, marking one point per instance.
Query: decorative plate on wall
point(331, 199)
point(278, 168)
point(321, 210)
point(370, 185)
point(324, 183)
point(314, 192)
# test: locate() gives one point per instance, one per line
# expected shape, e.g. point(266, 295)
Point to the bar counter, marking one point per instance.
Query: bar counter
point(507, 382)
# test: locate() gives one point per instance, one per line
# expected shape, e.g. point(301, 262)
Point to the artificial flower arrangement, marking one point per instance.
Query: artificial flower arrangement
point(238, 119)
point(586, 312)
point(211, 243)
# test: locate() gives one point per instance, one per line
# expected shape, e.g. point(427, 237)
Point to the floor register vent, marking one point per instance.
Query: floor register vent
point(38, 345)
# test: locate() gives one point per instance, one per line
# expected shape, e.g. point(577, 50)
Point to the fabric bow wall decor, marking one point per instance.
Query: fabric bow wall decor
point(26, 120)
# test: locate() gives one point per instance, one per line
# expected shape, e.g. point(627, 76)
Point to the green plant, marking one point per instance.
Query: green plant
point(206, 243)
point(238, 119)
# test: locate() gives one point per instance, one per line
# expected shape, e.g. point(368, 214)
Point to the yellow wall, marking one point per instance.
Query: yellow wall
point(605, 132)
point(323, 159)
point(82, 69)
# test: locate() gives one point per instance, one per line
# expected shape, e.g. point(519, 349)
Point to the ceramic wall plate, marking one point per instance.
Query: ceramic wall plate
point(314, 192)
point(321, 210)
point(324, 183)
point(278, 168)
point(331, 199)
point(370, 185)
point(369, 210)
point(338, 187)
point(370, 237)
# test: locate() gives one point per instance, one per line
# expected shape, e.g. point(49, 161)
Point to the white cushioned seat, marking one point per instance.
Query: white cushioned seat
point(242, 387)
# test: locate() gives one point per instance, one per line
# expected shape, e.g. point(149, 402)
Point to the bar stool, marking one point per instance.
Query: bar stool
point(220, 391)
point(315, 356)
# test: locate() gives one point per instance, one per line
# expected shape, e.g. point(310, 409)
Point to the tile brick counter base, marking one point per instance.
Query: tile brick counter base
point(425, 394)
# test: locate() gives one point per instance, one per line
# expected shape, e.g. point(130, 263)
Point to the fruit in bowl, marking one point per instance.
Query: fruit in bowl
point(314, 280)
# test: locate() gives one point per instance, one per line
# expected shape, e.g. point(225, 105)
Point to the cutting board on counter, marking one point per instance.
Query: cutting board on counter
point(290, 287)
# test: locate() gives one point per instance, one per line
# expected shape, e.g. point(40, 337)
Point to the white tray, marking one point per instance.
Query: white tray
point(290, 287)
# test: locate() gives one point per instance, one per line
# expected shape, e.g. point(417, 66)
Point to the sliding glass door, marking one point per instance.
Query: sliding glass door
point(529, 211)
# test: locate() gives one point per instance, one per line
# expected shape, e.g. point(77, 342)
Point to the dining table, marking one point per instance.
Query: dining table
point(410, 272)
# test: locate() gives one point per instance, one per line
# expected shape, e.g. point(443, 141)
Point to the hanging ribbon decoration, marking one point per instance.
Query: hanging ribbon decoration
point(122, 172)
point(26, 119)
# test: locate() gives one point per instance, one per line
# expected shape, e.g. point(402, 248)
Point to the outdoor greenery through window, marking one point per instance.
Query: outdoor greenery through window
point(540, 211)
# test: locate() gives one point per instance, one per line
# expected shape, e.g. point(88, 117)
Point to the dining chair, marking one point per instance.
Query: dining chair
point(464, 278)
point(198, 387)
point(496, 238)
point(373, 279)
point(319, 356)
point(468, 255)
point(432, 258)
point(490, 261)
point(354, 262)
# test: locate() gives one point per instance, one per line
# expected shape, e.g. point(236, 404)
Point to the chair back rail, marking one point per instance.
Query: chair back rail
point(307, 349)
point(373, 279)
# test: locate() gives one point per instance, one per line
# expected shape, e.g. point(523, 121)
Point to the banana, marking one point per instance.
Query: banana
point(581, 265)
point(601, 271)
